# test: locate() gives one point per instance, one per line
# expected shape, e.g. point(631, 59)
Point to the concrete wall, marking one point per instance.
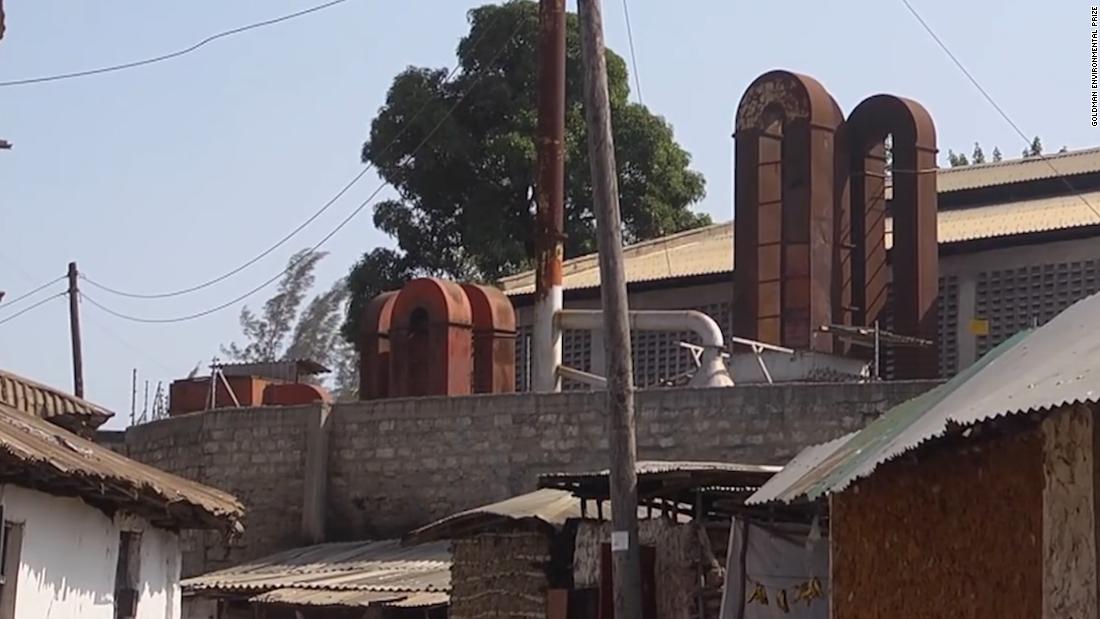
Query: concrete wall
point(68, 558)
point(396, 464)
point(955, 531)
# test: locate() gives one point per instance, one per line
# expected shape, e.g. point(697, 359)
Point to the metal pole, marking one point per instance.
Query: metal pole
point(133, 398)
point(877, 352)
point(549, 195)
point(74, 331)
point(626, 557)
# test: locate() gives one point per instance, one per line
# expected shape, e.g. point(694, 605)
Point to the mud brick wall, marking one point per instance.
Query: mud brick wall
point(957, 533)
point(257, 454)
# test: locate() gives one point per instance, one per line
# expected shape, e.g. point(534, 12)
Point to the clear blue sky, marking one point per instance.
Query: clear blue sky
point(164, 176)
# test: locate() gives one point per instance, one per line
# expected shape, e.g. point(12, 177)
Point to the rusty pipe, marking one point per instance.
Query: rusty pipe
point(549, 195)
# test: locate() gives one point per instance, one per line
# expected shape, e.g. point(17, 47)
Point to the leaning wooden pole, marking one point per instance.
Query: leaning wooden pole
point(625, 555)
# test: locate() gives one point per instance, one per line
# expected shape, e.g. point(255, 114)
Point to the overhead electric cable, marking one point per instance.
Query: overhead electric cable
point(169, 56)
point(324, 239)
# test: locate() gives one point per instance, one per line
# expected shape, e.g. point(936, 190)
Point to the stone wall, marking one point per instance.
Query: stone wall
point(257, 454)
point(396, 464)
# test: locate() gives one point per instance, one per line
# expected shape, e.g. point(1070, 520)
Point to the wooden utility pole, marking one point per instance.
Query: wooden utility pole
point(625, 555)
point(74, 329)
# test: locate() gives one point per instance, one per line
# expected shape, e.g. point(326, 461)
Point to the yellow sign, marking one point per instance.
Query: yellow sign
point(803, 592)
point(979, 326)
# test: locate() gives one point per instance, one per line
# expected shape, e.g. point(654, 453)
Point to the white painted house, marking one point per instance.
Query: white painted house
point(88, 532)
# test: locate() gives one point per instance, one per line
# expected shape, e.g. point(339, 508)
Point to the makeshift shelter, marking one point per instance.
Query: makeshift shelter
point(997, 466)
point(546, 553)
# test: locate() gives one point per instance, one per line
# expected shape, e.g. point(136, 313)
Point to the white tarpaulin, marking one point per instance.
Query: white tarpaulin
point(776, 571)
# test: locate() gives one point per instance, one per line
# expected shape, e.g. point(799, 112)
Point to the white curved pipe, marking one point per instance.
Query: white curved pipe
point(712, 370)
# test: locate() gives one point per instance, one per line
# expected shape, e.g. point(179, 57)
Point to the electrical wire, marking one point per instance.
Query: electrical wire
point(633, 56)
point(320, 243)
point(992, 102)
point(354, 180)
point(123, 341)
point(31, 307)
point(6, 304)
point(169, 56)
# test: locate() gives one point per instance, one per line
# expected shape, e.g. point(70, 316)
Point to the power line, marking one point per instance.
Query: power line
point(26, 295)
point(1004, 115)
point(323, 240)
point(355, 179)
point(633, 56)
point(121, 340)
point(31, 307)
point(169, 56)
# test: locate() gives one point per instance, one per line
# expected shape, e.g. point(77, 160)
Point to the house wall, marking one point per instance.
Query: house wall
point(392, 465)
point(1069, 517)
point(953, 532)
point(69, 554)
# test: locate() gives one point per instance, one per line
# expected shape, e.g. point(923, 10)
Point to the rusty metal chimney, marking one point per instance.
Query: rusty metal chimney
point(549, 192)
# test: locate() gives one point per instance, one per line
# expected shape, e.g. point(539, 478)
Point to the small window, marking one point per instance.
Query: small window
point(10, 545)
point(127, 579)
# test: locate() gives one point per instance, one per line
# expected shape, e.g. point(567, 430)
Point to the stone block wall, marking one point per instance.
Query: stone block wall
point(396, 464)
point(257, 454)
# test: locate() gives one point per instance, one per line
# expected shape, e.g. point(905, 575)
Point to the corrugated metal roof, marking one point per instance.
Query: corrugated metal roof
point(657, 468)
point(324, 597)
point(548, 506)
point(1018, 170)
point(44, 401)
point(709, 249)
point(1054, 365)
point(354, 568)
point(53, 459)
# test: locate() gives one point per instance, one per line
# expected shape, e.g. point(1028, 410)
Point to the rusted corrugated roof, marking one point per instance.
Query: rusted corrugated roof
point(47, 457)
point(709, 249)
point(731, 473)
point(339, 574)
point(44, 401)
point(1054, 365)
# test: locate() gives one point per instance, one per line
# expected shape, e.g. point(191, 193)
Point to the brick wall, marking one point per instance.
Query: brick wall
point(397, 464)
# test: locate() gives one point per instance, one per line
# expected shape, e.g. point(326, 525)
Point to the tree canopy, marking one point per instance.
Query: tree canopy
point(466, 193)
point(284, 330)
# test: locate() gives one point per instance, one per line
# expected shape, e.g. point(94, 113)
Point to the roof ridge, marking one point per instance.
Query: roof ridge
point(1019, 161)
point(633, 247)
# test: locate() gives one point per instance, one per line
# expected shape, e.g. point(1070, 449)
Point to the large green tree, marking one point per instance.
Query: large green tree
point(466, 194)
